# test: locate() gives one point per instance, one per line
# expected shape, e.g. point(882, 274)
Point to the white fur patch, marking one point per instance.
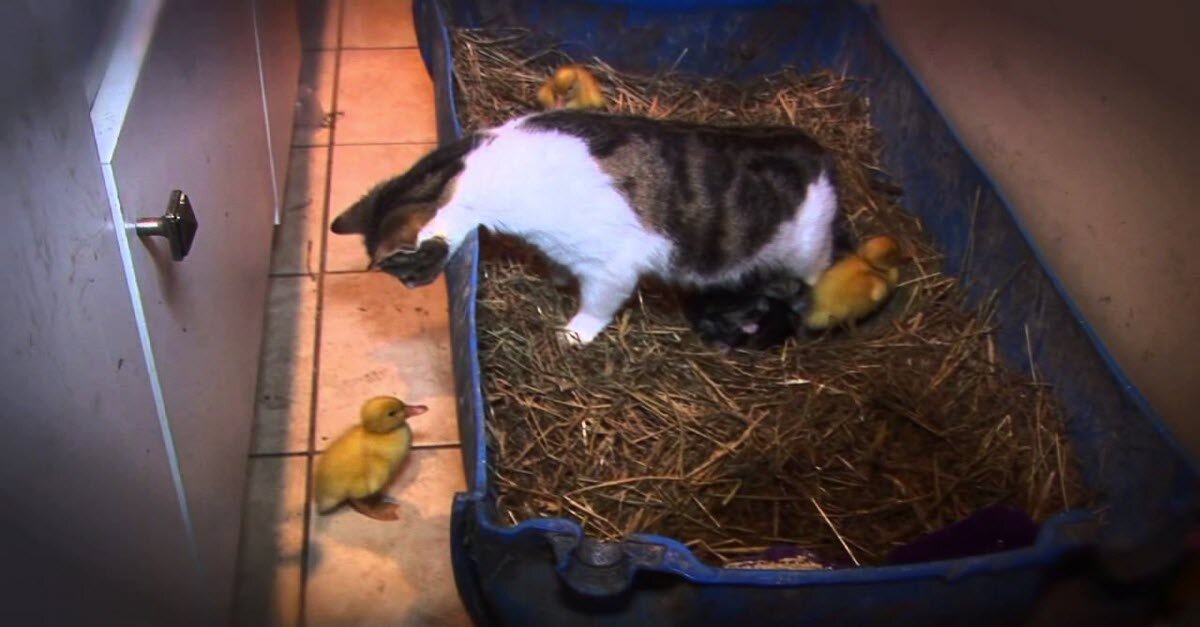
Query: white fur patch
point(546, 188)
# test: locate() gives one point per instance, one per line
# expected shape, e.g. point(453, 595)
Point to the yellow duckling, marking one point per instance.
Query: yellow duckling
point(856, 286)
point(571, 87)
point(358, 465)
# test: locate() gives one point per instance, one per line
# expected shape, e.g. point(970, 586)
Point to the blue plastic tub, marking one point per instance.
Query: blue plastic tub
point(545, 572)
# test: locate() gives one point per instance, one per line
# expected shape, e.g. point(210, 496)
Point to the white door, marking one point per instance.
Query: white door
point(194, 121)
point(91, 532)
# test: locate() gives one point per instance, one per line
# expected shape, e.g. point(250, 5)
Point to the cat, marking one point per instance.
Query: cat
point(611, 198)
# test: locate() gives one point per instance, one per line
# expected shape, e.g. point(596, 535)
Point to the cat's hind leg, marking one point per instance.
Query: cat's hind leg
point(816, 262)
point(601, 295)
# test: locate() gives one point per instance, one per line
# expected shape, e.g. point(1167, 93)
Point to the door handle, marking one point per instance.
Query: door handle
point(178, 225)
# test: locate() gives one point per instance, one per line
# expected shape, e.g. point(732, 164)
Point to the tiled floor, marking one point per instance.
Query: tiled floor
point(337, 335)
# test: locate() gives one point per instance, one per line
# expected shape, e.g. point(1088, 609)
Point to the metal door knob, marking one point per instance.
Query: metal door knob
point(178, 225)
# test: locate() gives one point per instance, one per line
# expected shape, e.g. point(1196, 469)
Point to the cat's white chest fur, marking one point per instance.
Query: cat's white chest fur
point(545, 187)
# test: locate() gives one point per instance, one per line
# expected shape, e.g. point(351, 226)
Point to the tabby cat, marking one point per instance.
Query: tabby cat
point(611, 198)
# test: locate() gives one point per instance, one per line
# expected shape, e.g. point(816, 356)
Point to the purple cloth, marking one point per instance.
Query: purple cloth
point(989, 530)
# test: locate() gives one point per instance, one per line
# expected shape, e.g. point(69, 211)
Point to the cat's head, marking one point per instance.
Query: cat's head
point(390, 216)
point(389, 222)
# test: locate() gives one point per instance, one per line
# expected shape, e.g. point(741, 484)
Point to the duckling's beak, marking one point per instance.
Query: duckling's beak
point(414, 410)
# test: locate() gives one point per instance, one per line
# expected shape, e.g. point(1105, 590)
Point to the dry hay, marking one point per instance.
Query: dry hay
point(846, 444)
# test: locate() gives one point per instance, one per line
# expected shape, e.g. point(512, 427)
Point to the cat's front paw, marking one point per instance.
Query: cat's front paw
point(568, 338)
point(581, 330)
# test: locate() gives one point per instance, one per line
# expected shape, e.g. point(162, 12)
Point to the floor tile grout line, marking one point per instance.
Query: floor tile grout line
point(405, 47)
point(278, 454)
point(320, 48)
point(399, 143)
point(306, 535)
point(437, 446)
point(312, 407)
point(313, 275)
point(432, 446)
point(411, 142)
point(369, 48)
point(293, 275)
point(347, 271)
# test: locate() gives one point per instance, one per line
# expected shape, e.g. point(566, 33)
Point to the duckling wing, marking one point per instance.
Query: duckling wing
point(847, 292)
point(376, 473)
point(879, 288)
point(383, 454)
point(591, 98)
point(827, 298)
point(893, 276)
point(818, 320)
point(588, 91)
point(545, 95)
point(339, 471)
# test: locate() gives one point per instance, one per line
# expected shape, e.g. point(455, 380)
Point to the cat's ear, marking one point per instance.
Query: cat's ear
point(352, 220)
point(398, 234)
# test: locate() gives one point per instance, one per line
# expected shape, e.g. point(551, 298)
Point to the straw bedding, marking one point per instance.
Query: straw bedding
point(845, 444)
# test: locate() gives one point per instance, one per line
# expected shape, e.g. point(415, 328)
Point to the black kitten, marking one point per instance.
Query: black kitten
point(756, 315)
point(761, 312)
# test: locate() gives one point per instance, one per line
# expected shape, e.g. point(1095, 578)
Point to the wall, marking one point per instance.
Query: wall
point(1084, 113)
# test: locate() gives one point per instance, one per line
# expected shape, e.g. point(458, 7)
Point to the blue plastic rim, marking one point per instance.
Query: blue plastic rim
point(1146, 484)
